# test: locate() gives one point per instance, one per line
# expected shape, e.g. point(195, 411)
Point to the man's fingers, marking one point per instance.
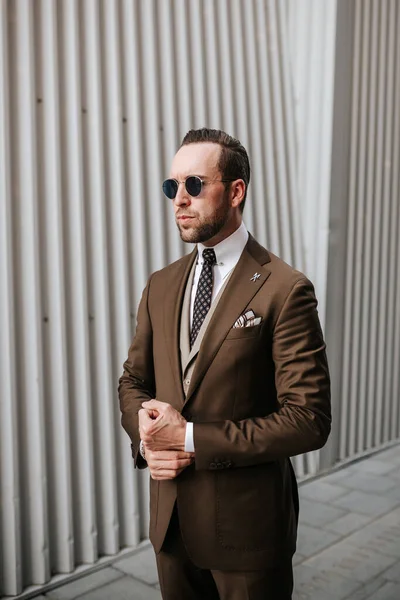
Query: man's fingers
point(165, 474)
point(172, 464)
point(155, 404)
point(147, 420)
point(169, 464)
point(170, 454)
point(144, 416)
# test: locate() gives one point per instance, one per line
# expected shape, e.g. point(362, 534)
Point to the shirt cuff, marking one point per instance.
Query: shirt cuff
point(141, 450)
point(189, 441)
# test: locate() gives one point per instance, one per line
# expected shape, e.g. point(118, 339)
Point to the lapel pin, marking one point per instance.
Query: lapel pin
point(255, 277)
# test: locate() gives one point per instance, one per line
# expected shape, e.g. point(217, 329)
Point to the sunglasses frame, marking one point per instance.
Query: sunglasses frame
point(202, 184)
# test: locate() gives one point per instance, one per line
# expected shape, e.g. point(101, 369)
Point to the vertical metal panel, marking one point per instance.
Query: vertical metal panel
point(311, 43)
point(342, 131)
point(311, 40)
point(355, 187)
point(290, 243)
point(226, 65)
point(149, 83)
point(137, 206)
point(367, 381)
point(198, 61)
point(394, 271)
point(119, 278)
point(77, 311)
point(267, 175)
point(386, 332)
point(183, 66)
point(28, 273)
point(103, 387)
point(53, 304)
point(382, 210)
point(257, 200)
point(10, 491)
point(210, 29)
point(240, 101)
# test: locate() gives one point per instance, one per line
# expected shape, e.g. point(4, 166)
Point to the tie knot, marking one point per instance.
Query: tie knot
point(209, 256)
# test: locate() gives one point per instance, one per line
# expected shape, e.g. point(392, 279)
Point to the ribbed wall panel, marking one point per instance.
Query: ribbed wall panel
point(10, 490)
point(95, 96)
point(76, 282)
point(367, 320)
point(55, 378)
point(28, 274)
point(311, 44)
point(363, 299)
point(311, 39)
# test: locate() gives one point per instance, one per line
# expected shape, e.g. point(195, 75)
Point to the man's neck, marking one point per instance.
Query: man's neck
point(222, 235)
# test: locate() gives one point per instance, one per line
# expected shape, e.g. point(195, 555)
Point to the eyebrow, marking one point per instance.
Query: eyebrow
point(191, 175)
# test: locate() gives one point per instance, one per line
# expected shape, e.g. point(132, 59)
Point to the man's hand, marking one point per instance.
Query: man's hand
point(167, 464)
point(161, 427)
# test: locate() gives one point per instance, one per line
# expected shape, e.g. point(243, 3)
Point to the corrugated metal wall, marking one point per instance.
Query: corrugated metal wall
point(311, 46)
point(363, 296)
point(94, 98)
point(311, 43)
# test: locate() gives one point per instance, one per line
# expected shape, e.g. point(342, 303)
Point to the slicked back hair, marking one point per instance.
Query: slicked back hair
point(233, 162)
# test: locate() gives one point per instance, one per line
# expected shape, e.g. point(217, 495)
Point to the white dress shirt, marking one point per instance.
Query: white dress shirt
point(227, 254)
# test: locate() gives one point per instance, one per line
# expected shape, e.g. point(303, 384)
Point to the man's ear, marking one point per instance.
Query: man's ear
point(238, 190)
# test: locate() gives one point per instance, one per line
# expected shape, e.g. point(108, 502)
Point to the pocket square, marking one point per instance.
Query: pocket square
point(248, 319)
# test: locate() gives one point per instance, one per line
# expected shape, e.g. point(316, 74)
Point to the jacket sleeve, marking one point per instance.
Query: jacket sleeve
point(137, 381)
point(303, 420)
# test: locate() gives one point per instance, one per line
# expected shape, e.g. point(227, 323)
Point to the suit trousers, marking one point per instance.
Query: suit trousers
point(180, 579)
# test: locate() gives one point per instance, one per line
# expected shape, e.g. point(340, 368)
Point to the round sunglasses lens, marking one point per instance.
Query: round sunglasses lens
point(170, 188)
point(193, 185)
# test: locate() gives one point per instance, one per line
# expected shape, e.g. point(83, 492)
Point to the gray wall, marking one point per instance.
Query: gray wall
point(363, 293)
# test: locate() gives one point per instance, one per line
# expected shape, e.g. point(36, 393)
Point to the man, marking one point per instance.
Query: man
point(226, 378)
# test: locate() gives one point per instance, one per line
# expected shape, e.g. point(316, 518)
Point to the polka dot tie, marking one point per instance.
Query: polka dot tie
point(202, 301)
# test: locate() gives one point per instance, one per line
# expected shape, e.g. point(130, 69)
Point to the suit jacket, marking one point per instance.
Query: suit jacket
point(257, 395)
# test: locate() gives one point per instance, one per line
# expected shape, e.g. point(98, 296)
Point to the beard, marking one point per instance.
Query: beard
point(207, 227)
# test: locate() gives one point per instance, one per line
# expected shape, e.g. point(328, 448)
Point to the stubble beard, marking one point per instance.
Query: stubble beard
point(206, 229)
point(202, 233)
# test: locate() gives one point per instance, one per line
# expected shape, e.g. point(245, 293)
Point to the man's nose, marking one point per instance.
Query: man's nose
point(182, 198)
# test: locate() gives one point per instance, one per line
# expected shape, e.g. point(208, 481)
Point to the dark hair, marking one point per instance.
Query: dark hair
point(233, 162)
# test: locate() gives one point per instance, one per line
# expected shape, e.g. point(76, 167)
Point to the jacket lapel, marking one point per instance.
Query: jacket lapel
point(185, 319)
point(239, 291)
point(203, 329)
point(172, 314)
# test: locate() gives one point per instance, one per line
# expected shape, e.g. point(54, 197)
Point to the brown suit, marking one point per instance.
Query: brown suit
point(257, 396)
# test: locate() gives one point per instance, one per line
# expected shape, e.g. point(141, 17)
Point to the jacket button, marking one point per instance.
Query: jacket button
point(220, 466)
point(213, 465)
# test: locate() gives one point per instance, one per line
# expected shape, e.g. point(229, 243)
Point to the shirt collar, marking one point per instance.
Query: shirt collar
point(229, 250)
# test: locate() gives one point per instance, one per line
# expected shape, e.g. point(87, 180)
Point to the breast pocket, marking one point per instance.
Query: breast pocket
point(243, 332)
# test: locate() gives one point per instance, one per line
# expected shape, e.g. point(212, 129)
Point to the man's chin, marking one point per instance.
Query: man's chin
point(201, 234)
point(189, 236)
point(187, 233)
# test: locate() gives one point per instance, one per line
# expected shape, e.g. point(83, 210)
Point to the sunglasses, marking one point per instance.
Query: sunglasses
point(193, 185)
